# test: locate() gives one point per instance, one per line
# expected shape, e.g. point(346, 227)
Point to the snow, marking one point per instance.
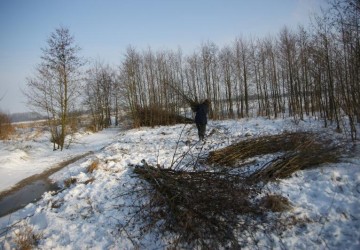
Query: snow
point(91, 213)
point(32, 153)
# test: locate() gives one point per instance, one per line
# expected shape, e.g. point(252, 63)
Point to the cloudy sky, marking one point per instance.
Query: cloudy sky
point(105, 28)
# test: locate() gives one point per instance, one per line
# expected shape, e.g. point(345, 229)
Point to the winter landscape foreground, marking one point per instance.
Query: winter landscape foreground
point(94, 209)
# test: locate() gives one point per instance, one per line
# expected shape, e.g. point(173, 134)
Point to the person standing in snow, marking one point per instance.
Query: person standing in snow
point(201, 118)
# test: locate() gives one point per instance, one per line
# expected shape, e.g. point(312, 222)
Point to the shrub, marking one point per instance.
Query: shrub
point(6, 129)
point(156, 116)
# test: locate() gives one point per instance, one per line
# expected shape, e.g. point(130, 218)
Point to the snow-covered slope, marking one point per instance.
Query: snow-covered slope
point(32, 153)
point(92, 212)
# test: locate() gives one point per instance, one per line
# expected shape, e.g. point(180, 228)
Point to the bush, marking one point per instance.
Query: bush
point(6, 129)
point(156, 116)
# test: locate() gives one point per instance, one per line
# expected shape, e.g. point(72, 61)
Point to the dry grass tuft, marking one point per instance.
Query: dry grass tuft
point(26, 238)
point(6, 128)
point(93, 166)
point(57, 203)
point(91, 180)
point(275, 203)
point(68, 182)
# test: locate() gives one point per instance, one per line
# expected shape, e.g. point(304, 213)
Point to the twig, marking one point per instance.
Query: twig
point(177, 145)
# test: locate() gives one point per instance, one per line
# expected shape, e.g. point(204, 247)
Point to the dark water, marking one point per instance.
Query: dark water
point(28, 193)
point(32, 188)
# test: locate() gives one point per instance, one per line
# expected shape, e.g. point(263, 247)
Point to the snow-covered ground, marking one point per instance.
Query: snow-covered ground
point(31, 152)
point(91, 213)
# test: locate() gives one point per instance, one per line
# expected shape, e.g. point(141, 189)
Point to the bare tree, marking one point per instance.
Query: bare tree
point(307, 71)
point(55, 88)
point(242, 73)
point(130, 75)
point(226, 59)
point(100, 83)
point(345, 18)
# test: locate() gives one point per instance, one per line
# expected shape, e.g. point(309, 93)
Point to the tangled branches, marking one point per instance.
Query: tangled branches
point(201, 207)
point(299, 151)
point(221, 207)
point(156, 115)
point(258, 146)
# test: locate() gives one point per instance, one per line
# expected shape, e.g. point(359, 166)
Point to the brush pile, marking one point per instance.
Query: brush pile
point(271, 144)
point(201, 207)
point(298, 151)
point(222, 208)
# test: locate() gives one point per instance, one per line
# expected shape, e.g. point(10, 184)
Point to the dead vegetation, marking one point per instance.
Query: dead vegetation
point(222, 208)
point(93, 166)
point(298, 151)
point(6, 128)
point(271, 144)
point(305, 157)
point(70, 181)
point(156, 116)
point(201, 207)
point(25, 238)
point(275, 203)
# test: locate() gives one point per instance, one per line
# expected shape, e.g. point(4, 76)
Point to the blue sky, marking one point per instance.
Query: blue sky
point(105, 28)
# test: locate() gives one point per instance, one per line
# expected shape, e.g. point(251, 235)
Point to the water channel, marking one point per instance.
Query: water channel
point(32, 188)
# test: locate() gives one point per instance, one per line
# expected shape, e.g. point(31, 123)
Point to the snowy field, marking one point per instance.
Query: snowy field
point(89, 213)
point(31, 152)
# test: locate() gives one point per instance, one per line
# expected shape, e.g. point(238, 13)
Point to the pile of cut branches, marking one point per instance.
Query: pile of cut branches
point(222, 208)
point(307, 155)
point(299, 151)
point(242, 150)
point(201, 207)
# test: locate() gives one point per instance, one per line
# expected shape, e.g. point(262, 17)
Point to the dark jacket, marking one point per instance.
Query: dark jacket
point(201, 113)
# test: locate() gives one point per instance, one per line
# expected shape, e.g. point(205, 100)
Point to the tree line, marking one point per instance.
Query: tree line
point(312, 70)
